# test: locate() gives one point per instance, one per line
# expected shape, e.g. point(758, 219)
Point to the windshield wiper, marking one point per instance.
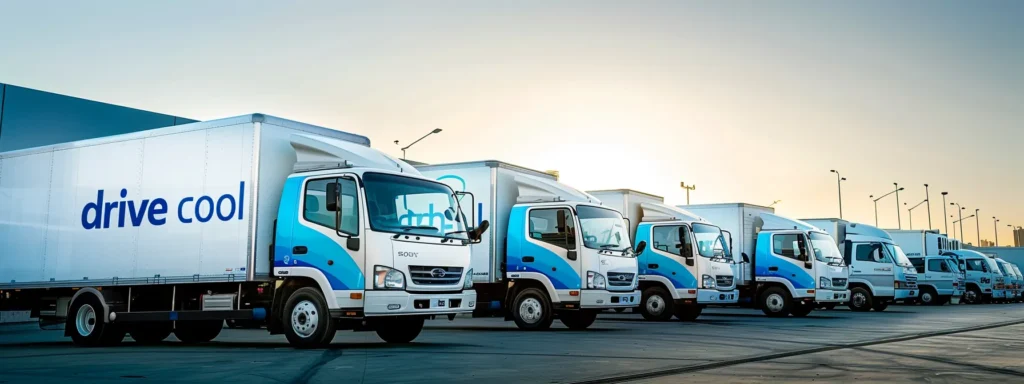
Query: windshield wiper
point(408, 228)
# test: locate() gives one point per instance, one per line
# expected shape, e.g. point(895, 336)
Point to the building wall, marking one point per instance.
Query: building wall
point(31, 118)
point(1018, 237)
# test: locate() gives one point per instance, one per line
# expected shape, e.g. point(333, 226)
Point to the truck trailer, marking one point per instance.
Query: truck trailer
point(553, 251)
point(789, 267)
point(686, 266)
point(880, 273)
point(249, 218)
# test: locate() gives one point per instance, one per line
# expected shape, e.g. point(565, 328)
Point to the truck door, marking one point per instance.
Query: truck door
point(939, 274)
point(552, 249)
point(671, 251)
point(789, 261)
point(740, 268)
point(871, 266)
point(327, 237)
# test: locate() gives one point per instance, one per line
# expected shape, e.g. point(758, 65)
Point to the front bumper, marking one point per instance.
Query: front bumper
point(594, 298)
point(831, 296)
point(714, 296)
point(391, 303)
point(906, 293)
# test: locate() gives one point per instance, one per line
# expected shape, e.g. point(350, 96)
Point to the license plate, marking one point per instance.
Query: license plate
point(440, 303)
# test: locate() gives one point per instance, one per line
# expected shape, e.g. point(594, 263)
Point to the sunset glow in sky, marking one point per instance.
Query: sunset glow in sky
point(750, 101)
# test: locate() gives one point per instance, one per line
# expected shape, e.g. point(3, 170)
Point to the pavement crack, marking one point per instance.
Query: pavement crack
point(311, 369)
point(1004, 371)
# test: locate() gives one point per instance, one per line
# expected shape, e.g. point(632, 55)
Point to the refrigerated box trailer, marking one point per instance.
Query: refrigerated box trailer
point(250, 218)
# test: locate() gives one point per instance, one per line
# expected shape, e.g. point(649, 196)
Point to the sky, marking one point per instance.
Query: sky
point(750, 101)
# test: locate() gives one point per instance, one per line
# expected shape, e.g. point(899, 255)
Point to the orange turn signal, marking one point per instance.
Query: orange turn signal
point(355, 295)
point(574, 293)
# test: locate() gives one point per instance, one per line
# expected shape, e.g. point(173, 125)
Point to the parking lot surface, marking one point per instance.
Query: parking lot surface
point(903, 344)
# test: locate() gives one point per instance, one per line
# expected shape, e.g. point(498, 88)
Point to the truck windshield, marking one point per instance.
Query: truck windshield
point(400, 204)
point(825, 249)
point(952, 266)
point(993, 266)
point(709, 240)
point(603, 228)
point(897, 253)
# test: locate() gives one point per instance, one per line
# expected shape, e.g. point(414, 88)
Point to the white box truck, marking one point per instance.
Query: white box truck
point(553, 251)
point(685, 267)
point(789, 267)
point(941, 276)
point(880, 273)
point(249, 218)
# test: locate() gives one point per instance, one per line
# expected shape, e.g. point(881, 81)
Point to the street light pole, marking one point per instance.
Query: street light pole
point(977, 223)
point(436, 130)
point(880, 198)
point(910, 212)
point(927, 198)
point(995, 227)
point(688, 189)
point(945, 221)
point(839, 183)
point(960, 212)
point(899, 222)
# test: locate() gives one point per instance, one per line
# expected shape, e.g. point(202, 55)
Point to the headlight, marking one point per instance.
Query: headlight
point(469, 279)
point(709, 282)
point(388, 278)
point(824, 282)
point(595, 280)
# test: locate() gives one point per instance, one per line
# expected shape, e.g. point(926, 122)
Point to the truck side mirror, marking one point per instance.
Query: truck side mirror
point(352, 243)
point(640, 247)
point(332, 196)
point(476, 234)
point(746, 259)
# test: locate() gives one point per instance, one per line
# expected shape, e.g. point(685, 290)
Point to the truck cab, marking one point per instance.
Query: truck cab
point(880, 272)
point(1020, 282)
point(554, 251)
point(1009, 280)
point(979, 276)
point(686, 265)
point(940, 280)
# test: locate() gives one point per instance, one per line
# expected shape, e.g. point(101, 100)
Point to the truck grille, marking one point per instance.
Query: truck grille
point(723, 281)
point(425, 275)
point(620, 279)
point(838, 282)
point(911, 281)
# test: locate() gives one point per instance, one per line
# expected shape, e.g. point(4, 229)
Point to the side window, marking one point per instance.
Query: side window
point(788, 245)
point(976, 265)
point(918, 264)
point(315, 206)
point(554, 226)
point(936, 265)
point(666, 239)
point(868, 252)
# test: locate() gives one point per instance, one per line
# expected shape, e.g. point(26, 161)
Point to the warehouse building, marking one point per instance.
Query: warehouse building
point(32, 118)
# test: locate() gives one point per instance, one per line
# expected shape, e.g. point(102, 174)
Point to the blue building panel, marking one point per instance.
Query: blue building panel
point(32, 118)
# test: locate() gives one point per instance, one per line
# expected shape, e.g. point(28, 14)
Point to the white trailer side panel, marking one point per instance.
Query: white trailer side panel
point(627, 202)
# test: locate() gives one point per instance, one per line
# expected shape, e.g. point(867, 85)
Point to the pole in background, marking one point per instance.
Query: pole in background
point(928, 199)
point(945, 221)
point(774, 202)
point(899, 221)
point(436, 130)
point(688, 189)
point(995, 226)
point(839, 183)
point(977, 223)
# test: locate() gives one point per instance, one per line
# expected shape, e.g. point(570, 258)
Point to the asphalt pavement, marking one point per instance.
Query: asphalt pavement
point(903, 344)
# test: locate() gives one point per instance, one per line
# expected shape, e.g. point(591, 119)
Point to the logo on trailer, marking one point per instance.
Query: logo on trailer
point(437, 272)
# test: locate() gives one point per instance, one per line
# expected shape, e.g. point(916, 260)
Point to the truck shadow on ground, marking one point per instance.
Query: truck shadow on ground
point(515, 329)
point(130, 346)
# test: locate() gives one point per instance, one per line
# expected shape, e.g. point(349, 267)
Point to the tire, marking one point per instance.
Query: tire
point(880, 305)
point(860, 300)
point(532, 310)
point(578, 320)
point(194, 332)
point(656, 304)
point(85, 322)
point(801, 310)
point(775, 302)
point(929, 296)
point(150, 333)
point(972, 296)
point(306, 319)
point(688, 312)
point(401, 330)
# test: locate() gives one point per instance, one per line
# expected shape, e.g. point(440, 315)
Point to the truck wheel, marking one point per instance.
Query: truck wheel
point(775, 302)
point(688, 312)
point(400, 330)
point(192, 332)
point(880, 305)
point(860, 300)
point(85, 319)
point(928, 296)
point(801, 310)
point(972, 296)
point(151, 333)
point(578, 320)
point(532, 310)
point(657, 304)
point(307, 321)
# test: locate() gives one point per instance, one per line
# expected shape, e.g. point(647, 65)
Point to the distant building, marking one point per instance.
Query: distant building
point(986, 243)
point(1018, 237)
point(32, 118)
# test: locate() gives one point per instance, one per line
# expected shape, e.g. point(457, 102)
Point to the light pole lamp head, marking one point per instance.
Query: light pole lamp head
point(833, 171)
point(926, 185)
point(945, 193)
point(901, 188)
point(436, 130)
point(843, 179)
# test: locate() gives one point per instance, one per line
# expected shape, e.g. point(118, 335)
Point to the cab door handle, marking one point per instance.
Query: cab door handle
point(773, 269)
point(527, 259)
point(652, 266)
point(299, 250)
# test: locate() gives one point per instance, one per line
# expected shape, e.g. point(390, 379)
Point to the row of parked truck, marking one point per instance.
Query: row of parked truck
point(307, 230)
